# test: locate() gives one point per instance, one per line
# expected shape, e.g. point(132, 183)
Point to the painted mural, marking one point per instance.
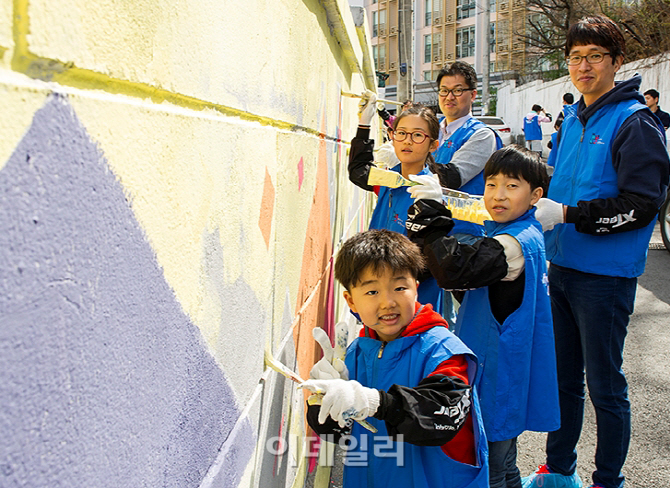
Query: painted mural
point(166, 217)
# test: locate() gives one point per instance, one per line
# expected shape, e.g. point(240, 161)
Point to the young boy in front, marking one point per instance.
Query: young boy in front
point(505, 317)
point(406, 373)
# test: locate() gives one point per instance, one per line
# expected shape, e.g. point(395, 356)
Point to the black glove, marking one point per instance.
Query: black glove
point(428, 220)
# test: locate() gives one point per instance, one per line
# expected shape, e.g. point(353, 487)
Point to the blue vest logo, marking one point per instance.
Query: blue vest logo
point(596, 139)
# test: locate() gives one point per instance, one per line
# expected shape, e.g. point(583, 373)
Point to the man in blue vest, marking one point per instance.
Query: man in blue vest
point(465, 142)
point(532, 130)
point(611, 177)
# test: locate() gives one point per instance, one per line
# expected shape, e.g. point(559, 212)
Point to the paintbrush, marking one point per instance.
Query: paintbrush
point(315, 398)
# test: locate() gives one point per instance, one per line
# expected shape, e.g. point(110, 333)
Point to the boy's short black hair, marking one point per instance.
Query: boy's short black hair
point(518, 162)
point(378, 249)
point(459, 68)
point(599, 30)
point(652, 93)
point(537, 108)
point(569, 98)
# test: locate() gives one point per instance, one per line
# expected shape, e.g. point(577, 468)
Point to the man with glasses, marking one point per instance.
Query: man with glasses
point(465, 142)
point(610, 179)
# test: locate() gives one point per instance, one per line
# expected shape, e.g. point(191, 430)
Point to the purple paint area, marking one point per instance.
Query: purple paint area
point(104, 381)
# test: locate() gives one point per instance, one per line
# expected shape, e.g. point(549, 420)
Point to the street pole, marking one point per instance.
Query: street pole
point(405, 51)
point(486, 57)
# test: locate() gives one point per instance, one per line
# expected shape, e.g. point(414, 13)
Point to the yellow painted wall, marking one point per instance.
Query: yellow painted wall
point(224, 124)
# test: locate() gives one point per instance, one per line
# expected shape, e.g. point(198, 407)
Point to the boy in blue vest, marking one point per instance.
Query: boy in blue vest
point(505, 317)
point(611, 177)
point(407, 374)
point(532, 130)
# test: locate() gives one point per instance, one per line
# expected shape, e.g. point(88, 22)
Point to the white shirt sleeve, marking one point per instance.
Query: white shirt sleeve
point(514, 255)
point(472, 156)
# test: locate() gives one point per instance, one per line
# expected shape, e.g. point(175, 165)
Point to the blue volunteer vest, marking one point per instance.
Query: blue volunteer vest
point(475, 186)
point(406, 361)
point(518, 386)
point(551, 160)
point(531, 129)
point(391, 213)
point(584, 171)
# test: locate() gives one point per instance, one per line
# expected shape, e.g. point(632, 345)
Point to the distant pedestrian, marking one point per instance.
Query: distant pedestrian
point(532, 130)
point(651, 97)
point(568, 99)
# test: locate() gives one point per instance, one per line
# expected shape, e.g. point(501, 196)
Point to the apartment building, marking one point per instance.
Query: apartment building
point(446, 31)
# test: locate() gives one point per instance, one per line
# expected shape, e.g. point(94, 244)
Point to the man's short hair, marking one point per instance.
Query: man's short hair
point(598, 30)
point(537, 108)
point(652, 93)
point(459, 68)
point(377, 249)
point(569, 98)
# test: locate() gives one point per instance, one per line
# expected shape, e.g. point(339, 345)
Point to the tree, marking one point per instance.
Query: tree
point(545, 30)
point(645, 23)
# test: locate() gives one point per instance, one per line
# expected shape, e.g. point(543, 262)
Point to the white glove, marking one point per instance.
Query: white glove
point(386, 157)
point(428, 189)
point(344, 400)
point(549, 213)
point(367, 107)
point(328, 367)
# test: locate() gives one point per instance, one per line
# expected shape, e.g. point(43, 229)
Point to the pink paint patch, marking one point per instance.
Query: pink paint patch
point(301, 173)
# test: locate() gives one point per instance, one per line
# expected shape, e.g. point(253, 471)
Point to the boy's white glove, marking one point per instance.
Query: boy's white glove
point(344, 400)
point(549, 213)
point(328, 367)
point(428, 189)
point(367, 107)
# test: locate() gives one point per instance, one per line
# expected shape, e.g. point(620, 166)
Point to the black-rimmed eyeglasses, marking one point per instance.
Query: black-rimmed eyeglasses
point(593, 58)
point(444, 92)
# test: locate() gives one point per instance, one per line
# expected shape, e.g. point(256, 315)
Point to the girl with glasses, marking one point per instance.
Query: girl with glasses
point(414, 136)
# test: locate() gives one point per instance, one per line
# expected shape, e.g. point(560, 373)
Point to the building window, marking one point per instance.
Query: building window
point(437, 47)
point(379, 55)
point(465, 8)
point(382, 23)
point(427, 48)
point(465, 42)
point(427, 76)
point(429, 12)
point(492, 6)
point(492, 44)
point(375, 23)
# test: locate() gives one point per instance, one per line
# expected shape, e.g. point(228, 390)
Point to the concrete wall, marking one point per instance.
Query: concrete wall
point(173, 187)
point(515, 102)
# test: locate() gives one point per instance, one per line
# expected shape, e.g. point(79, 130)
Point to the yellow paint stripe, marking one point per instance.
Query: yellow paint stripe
point(68, 74)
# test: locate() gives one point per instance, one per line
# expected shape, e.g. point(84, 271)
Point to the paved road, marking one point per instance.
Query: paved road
point(647, 367)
